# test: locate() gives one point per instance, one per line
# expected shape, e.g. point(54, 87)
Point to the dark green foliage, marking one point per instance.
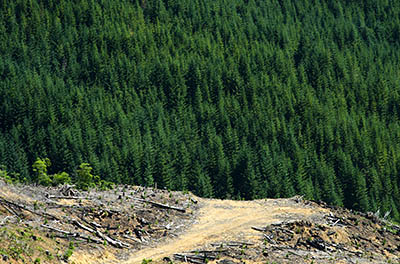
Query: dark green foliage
point(241, 99)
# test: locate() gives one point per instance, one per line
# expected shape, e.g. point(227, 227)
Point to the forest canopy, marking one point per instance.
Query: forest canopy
point(231, 99)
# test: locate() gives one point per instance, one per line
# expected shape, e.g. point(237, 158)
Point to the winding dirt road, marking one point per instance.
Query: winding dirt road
point(226, 220)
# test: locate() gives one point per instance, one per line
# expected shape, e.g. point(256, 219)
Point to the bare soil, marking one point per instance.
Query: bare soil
point(226, 220)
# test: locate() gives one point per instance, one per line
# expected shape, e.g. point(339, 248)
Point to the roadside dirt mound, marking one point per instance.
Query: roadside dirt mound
point(144, 225)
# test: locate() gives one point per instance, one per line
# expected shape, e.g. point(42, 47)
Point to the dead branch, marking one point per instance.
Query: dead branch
point(284, 230)
point(82, 226)
point(68, 190)
point(115, 243)
point(85, 208)
point(337, 221)
point(270, 239)
point(317, 243)
point(94, 224)
point(5, 219)
point(294, 253)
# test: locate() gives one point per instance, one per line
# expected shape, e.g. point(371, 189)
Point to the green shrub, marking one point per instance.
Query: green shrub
point(68, 254)
point(105, 185)
point(85, 179)
point(61, 178)
point(4, 175)
point(40, 169)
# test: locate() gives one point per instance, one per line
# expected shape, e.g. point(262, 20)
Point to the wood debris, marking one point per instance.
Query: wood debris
point(339, 236)
point(123, 218)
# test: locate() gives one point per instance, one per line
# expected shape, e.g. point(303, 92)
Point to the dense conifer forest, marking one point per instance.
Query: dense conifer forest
point(236, 99)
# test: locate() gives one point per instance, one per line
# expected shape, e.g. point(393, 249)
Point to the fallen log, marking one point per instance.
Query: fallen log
point(115, 243)
point(317, 243)
point(194, 258)
point(132, 238)
point(10, 210)
point(184, 258)
point(357, 237)
point(239, 243)
point(209, 251)
point(232, 244)
point(75, 235)
point(294, 253)
point(164, 206)
point(96, 225)
point(260, 229)
point(22, 207)
point(68, 197)
point(109, 212)
point(284, 230)
point(82, 226)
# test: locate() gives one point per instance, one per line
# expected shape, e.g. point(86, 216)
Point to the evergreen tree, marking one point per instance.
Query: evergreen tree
point(239, 98)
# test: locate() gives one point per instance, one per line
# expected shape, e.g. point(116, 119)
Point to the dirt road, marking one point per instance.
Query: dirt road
point(226, 220)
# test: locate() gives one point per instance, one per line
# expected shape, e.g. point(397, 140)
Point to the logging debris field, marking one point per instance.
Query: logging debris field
point(132, 224)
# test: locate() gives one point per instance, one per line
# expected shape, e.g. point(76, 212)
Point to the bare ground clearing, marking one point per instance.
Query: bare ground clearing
point(130, 224)
point(226, 220)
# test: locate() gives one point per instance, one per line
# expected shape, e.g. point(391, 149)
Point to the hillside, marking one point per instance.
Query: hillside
point(228, 99)
point(133, 225)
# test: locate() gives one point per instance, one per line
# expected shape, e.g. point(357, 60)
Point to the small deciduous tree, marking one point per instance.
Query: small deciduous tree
point(85, 178)
point(61, 178)
point(41, 177)
point(40, 169)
